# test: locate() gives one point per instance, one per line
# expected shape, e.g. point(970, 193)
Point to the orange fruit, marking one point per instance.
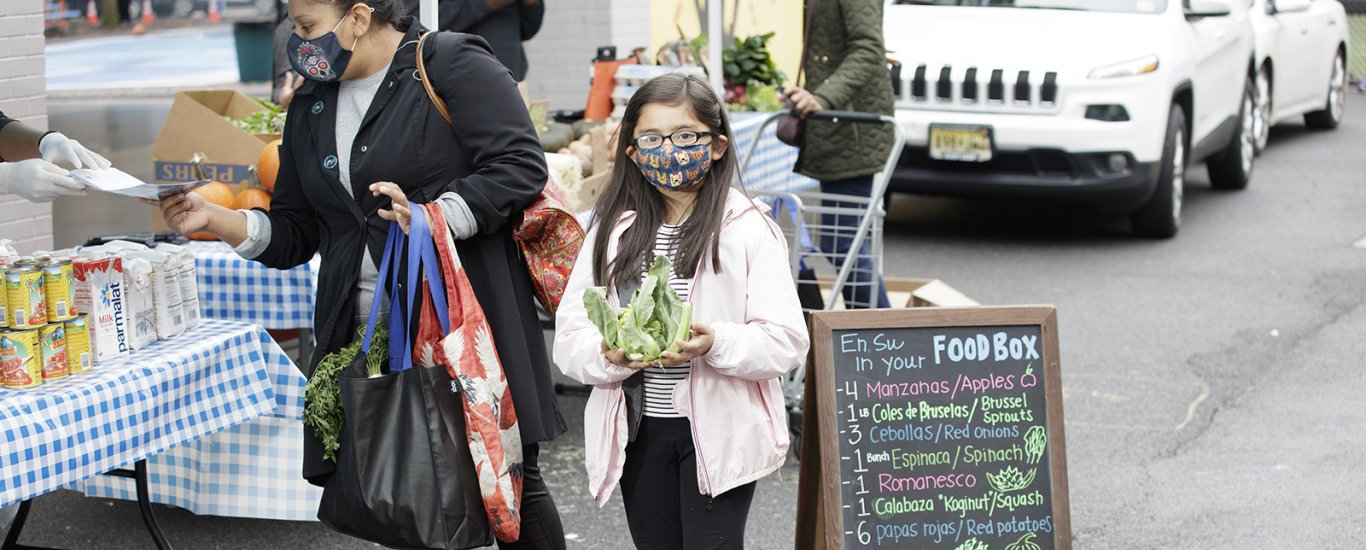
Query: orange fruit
point(252, 198)
point(268, 165)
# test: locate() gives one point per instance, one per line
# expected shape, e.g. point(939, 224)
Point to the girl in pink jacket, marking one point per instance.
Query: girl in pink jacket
point(688, 435)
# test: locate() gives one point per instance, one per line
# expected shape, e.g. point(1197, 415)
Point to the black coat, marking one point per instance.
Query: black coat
point(491, 158)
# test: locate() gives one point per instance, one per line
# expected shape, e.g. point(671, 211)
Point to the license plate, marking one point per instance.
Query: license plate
point(960, 143)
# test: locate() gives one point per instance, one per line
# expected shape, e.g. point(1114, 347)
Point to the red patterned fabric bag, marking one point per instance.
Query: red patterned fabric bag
point(549, 236)
point(467, 350)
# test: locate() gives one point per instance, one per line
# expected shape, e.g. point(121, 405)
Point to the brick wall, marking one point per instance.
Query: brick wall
point(561, 54)
point(23, 97)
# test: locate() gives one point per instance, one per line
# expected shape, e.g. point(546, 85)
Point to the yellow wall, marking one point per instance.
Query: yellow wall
point(749, 17)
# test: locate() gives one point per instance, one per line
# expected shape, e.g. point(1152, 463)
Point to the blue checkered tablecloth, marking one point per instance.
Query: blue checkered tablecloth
point(237, 289)
point(165, 395)
point(249, 470)
point(771, 167)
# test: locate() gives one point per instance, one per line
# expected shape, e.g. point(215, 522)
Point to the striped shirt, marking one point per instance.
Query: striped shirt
point(660, 383)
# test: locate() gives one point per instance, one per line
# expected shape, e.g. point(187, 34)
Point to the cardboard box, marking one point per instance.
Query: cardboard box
point(196, 127)
point(909, 292)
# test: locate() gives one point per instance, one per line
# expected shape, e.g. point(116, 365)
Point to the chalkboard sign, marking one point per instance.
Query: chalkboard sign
point(934, 428)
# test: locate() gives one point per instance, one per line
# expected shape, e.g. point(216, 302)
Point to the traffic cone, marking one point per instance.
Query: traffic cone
point(147, 16)
point(90, 16)
point(213, 11)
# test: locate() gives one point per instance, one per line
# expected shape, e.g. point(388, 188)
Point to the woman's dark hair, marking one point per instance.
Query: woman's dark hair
point(393, 12)
point(699, 237)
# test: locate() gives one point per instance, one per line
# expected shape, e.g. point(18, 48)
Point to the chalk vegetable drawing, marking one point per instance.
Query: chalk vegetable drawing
point(1011, 479)
point(1024, 543)
point(973, 544)
point(1035, 440)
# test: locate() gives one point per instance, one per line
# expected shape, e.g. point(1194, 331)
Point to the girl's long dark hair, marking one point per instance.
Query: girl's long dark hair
point(699, 238)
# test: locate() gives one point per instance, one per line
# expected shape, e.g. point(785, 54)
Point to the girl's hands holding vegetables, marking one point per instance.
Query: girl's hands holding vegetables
point(700, 343)
point(399, 210)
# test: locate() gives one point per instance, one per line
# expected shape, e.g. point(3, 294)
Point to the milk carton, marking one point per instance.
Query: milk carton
point(189, 284)
point(141, 315)
point(166, 300)
point(100, 294)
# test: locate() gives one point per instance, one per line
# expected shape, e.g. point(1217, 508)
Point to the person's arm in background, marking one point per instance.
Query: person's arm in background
point(533, 12)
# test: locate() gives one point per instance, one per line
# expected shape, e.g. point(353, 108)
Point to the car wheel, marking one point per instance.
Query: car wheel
point(1232, 168)
point(1329, 118)
point(1261, 122)
point(1160, 217)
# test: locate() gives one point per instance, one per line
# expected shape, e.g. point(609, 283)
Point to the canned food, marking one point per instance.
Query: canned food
point(59, 283)
point(78, 356)
point(52, 338)
point(4, 299)
point(21, 359)
point(26, 297)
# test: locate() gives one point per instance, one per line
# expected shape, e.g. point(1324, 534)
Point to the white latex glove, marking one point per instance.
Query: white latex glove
point(38, 180)
point(59, 149)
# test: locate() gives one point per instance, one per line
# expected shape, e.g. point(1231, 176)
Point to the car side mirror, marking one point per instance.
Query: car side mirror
point(1200, 9)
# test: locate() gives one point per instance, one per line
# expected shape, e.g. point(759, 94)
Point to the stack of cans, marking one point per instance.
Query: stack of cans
point(42, 336)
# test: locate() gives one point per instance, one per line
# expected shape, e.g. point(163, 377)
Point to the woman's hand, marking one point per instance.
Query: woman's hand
point(700, 343)
point(398, 211)
point(184, 213)
point(803, 101)
point(292, 83)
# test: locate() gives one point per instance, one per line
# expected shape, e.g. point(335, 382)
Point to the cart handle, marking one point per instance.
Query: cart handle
point(849, 116)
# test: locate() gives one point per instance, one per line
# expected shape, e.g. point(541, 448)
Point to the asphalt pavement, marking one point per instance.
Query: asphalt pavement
point(1210, 381)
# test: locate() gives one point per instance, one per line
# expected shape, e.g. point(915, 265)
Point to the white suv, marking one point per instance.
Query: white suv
point(1099, 101)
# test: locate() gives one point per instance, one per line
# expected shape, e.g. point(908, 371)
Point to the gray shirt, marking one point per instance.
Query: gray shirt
point(353, 101)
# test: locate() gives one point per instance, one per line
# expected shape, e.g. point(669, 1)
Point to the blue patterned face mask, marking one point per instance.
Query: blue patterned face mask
point(322, 59)
point(674, 168)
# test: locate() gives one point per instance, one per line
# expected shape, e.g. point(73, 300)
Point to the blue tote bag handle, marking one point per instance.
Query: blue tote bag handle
point(394, 239)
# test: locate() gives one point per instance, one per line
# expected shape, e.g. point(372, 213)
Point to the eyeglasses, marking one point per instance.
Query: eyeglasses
point(681, 138)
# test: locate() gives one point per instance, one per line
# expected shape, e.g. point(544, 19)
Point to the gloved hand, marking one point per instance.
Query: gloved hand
point(59, 149)
point(38, 180)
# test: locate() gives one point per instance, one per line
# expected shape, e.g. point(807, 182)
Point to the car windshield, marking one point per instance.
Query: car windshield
point(1125, 6)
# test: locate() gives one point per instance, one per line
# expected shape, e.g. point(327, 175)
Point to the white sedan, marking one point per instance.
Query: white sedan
point(1301, 55)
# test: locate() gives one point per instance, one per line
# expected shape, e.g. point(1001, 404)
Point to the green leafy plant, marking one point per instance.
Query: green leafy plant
point(270, 120)
point(749, 63)
point(1011, 479)
point(654, 321)
point(1035, 441)
point(322, 395)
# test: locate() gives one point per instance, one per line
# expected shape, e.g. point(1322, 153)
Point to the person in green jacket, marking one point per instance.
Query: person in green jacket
point(846, 70)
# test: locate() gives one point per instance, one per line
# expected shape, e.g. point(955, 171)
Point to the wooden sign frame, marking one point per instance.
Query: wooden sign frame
point(820, 519)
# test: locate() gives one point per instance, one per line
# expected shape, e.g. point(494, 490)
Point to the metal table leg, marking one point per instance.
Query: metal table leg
point(139, 477)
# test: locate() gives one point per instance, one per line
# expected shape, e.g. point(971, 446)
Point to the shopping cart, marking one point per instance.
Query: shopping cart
point(835, 242)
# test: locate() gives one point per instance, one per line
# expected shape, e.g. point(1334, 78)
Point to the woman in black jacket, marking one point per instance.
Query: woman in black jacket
point(362, 140)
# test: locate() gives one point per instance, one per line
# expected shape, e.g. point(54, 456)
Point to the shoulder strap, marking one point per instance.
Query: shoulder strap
point(426, 82)
point(806, 40)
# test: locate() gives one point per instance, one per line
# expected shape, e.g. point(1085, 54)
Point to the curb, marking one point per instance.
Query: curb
point(253, 89)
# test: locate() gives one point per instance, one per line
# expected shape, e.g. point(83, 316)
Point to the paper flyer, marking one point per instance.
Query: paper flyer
point(118, 182)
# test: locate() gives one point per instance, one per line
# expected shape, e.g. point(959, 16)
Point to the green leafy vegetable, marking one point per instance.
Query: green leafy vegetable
point(322, 395)
point(270, 120)
point(1011, 479)
point(654, 321)
point(973, 544)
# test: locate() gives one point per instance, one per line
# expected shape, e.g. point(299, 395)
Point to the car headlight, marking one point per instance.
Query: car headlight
point(1133, 67)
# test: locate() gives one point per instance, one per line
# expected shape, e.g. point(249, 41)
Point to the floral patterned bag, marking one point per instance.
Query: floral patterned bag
point(549, 235)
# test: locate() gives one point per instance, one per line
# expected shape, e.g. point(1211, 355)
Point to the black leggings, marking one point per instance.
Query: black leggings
point(664, 508)
point(541, 527)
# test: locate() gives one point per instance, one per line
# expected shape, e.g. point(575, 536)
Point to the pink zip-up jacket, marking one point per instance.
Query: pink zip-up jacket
point(733, 396)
